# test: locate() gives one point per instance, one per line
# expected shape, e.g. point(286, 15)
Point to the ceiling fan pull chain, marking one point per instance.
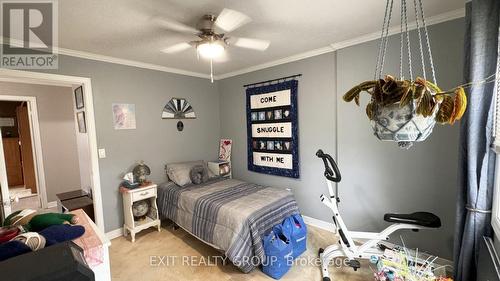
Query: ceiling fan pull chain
point(375, 76)
point(422, 57)
point(427, 41)
point(211, 71)
point(386, 40)
point(410, 68)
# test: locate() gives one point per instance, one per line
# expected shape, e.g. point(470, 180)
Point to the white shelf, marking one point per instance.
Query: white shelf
point(214, 167)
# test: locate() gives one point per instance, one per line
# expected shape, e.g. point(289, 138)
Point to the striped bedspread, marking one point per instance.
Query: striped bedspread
point(229, 214)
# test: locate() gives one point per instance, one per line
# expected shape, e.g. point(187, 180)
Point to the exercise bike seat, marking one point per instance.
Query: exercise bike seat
point(419, 218)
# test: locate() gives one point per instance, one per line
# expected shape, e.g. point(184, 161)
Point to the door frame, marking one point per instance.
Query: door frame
point(4, 184)
point(19, 76)
point(36, 142)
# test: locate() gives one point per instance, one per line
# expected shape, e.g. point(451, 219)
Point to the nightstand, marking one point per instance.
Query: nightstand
point(221, 168)
point(152, 219)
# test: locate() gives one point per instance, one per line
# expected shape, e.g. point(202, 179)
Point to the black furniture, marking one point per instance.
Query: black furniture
point(76, 199)
point(60, 262)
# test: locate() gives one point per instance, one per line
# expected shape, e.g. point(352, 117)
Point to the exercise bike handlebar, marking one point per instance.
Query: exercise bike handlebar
point(333, 175)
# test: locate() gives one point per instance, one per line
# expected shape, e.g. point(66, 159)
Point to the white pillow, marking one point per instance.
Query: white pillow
point(179, 172)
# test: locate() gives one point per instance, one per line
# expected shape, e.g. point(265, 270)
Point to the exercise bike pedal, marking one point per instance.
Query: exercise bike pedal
point(355, 264)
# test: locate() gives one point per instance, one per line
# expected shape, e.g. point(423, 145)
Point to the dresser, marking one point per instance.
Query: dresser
point(95, 247)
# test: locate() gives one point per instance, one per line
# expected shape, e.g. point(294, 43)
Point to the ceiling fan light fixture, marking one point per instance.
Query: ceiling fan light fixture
point(210, 50)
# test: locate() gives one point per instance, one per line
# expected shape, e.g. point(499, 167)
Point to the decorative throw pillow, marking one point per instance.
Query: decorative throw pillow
point(198, 174)
point(179, 172)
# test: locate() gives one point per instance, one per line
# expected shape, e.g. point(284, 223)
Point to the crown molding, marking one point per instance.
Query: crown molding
point(451, 15)
point(448, 16)
point(296, 57)
point(115, 60)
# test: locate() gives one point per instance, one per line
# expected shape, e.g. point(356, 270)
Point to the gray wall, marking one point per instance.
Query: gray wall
point(57, 134)
point(156, 141)
point(316, 107)
point(377, 177)
point(422, 178)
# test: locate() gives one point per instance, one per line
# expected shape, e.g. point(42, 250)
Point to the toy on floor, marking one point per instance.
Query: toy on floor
point(399, 265)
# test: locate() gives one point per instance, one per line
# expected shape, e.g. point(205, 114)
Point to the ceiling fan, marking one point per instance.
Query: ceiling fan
point(212, 32)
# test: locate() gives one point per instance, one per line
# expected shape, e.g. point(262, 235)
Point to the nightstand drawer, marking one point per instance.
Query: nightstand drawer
point(136, 196)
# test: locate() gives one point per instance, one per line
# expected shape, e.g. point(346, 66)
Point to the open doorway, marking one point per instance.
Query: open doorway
point(85, 135)
point(18, 154)
point(60, 167)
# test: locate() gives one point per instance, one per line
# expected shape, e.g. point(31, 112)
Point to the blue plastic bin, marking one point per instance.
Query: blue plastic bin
point(298, 233)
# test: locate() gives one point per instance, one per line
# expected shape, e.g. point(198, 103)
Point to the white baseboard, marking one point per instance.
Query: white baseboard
point(308, 220)
point(319, 223)
point(52, 204)
point(114, 233)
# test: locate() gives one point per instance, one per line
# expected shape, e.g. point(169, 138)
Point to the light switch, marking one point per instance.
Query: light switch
point(102, 153)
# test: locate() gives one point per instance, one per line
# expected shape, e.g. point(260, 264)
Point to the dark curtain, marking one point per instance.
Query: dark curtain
point(476, 160)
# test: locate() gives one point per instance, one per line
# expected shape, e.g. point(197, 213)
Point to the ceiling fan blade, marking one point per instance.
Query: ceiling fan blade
point(176, 26)
point(229, 20)
point(177, 48)
point(249, 43)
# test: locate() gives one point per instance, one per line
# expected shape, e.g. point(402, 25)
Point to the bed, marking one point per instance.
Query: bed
point(228, 214)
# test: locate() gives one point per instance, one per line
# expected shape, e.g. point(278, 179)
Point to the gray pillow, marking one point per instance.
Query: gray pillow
point(179, 172)
point(198, 174)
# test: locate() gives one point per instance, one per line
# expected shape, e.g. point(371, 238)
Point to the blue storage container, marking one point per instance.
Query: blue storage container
point(278, 253)
point(298, 233)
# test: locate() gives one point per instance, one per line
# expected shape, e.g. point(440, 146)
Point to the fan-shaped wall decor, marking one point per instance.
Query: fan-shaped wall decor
point(178, 108)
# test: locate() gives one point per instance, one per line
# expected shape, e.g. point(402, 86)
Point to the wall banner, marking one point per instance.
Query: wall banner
point(272, 129)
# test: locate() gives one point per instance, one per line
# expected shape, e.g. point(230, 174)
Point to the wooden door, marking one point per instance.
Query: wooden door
point(23, 122)
point(13, 162)
point(4, 185)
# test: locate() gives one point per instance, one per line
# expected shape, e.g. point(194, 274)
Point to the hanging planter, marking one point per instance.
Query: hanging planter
point(406, 110)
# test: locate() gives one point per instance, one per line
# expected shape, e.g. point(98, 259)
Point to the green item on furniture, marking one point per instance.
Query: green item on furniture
point(42, 221)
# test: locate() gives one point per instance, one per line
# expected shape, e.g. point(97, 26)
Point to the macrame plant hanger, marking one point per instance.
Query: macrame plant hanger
point(392, 123)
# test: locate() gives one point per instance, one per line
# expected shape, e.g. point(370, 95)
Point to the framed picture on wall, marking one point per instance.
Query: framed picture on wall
point(80, 117)
point(79, 98)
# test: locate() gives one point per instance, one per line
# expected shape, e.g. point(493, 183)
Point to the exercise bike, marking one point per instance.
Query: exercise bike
point(368, 242)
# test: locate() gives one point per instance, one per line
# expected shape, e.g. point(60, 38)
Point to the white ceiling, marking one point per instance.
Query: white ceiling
point(125, 29)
